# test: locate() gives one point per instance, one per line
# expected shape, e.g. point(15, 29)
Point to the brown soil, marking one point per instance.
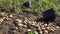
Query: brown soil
point(15, 23)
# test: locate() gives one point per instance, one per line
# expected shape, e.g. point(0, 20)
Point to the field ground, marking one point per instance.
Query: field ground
point(26, 21)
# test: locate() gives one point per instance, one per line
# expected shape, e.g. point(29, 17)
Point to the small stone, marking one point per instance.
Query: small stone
point(43, 28)
point(16, 27)
point(52, 30)
point(57, 27)
point(20, 24)
point(11, 15)
point(35, 32)
point(4, 17)
point(19, 20)
point(48, 28)
point(33, 24)
point(29, 29)
point(29, 22)
point(7, 18)
point(45, 32)
point(39, 28)
point(41, 32)
point(3, 13)
point(24, 25)
point(45, 24)
point(14, 31)
point(50, 24)
point(25, 22)
point(1, 20)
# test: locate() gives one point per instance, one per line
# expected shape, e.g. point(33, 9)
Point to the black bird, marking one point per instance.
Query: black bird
point(27, 4)
point(49, 15)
